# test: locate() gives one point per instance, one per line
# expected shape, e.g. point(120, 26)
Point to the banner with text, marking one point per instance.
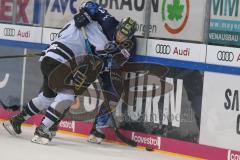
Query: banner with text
point(21, 33)
point(226, 56)
point(176, 50)
point(169, 106)
point(58, 13)
point(220, 121)
point(224, 22)
point(166, 106)
point(177, 19)
point(21, 12)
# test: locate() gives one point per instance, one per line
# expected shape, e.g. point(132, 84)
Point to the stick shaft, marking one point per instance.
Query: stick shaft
point(22, 56)
point(87, 44)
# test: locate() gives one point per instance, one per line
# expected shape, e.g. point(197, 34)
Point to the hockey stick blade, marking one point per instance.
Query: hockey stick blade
point(125, 139)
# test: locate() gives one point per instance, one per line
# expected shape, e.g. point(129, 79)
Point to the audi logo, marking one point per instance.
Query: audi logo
point(163, 49)
point(225, 56)
point(9, 32)
point(53, 36)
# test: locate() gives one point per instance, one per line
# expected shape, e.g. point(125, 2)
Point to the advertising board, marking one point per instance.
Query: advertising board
point(220, 120)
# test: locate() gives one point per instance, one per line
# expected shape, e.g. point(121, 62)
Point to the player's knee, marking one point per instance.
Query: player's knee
point(62, 106)
point(42, 102)
point(62, 102)
point(65, 95)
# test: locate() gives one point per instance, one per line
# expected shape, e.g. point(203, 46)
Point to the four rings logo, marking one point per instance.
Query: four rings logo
point(163, 49)
point(225, 56)
point(9, 32)
point(53, 36)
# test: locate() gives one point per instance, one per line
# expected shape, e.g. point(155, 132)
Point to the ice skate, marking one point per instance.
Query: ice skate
point(96, 137)
point(13, 126)
point(42, 135)
point(53, 130)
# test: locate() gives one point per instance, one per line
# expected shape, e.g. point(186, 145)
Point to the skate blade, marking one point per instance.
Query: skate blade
point(40, 140)
point(53, 134)
point(8, 126)
point(93, 139)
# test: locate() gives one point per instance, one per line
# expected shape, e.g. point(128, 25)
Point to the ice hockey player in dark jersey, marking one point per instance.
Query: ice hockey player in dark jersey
point(103, 31)
point(117, 33)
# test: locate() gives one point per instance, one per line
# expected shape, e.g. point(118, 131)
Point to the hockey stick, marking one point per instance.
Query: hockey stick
point(88, 45)
point(117, 132)
point(22, 56)
point(106, 102)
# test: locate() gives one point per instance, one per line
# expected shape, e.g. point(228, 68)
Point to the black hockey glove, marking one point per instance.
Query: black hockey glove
point(114, 55)
point(82, 18)
point(111, 48)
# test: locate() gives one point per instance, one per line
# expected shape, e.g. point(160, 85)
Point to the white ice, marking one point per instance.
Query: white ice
point(68, 147)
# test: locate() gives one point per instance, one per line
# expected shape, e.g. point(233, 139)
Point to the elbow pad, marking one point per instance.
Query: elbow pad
point(82, 19)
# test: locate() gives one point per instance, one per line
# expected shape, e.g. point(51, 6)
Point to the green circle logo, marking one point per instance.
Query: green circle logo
point(176, 12)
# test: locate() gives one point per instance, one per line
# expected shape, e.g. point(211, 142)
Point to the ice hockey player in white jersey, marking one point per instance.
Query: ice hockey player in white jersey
point(102, 29)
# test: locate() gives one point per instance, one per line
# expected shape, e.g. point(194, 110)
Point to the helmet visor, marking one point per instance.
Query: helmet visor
point(126, 29)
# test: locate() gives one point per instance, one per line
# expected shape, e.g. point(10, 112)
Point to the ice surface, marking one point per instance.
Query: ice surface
point(68, 147)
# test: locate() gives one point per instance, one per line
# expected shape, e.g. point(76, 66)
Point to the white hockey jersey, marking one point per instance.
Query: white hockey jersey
point(72, 42)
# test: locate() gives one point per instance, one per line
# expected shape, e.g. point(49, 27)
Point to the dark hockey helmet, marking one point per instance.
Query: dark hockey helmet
point(125, 29)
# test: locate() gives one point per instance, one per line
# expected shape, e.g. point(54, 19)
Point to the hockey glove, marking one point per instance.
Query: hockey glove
point(82, 19)
point(111, 48)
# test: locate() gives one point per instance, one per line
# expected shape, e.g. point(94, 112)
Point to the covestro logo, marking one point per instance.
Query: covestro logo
point(233, 155)
point(67, 125)
point(152, 141)
point(175, 14)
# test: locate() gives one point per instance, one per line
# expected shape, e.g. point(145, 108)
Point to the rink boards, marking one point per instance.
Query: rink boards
point(218, 93)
